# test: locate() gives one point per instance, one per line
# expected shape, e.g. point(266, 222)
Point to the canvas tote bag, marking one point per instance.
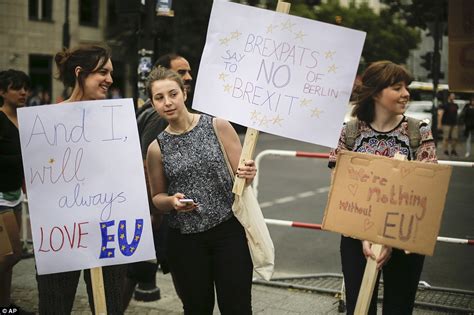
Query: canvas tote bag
point(247, 210)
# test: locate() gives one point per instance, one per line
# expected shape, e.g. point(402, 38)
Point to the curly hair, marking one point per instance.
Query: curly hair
point(376, 77)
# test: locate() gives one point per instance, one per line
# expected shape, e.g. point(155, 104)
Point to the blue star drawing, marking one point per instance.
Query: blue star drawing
point(126, 248)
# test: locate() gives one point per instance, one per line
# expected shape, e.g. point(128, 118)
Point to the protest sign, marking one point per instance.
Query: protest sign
point(277, 73)
point(387, 201)
point(86, 185)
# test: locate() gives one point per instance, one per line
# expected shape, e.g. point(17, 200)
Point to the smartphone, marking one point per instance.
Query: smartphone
point(187, 201)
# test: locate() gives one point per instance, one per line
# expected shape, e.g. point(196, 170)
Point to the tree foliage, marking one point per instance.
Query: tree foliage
point(387, 37)
point(418, 13)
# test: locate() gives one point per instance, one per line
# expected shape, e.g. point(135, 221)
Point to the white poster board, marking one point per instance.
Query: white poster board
point(86, 185)
point(277, 73)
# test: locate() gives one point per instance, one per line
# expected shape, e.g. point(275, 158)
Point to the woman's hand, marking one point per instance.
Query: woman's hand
point(248, 171)
point(384, 257)
point(180, 206)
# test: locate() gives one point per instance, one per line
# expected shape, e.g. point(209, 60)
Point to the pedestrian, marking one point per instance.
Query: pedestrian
point(382, 129)
point(207, 246)
point(14, 87)
point(141, 276)
point(448, 122)
point(88, 71)
point(468, 118)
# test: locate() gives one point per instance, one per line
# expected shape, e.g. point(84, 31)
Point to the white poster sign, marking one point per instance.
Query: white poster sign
point(86, 185)
point(277, 73)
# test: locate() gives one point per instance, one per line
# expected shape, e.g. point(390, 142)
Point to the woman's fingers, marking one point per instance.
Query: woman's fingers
point(248, 170)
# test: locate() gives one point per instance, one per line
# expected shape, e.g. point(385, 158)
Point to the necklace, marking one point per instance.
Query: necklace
point(185, 130)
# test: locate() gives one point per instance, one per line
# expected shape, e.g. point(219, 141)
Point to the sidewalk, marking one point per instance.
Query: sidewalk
point(266, 300)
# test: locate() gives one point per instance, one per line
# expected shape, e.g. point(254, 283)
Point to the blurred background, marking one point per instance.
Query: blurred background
point(409, 32)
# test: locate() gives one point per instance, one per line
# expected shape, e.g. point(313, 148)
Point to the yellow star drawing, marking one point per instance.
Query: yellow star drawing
point(222, 76)
point(328, 54)
point(104, 226)
point(300, 35)
point(271, 27)
point(224, 41)
point(103, 248)
point(254, 115)
point(235, 35)
point(137, 238)
point(227, 87)
point(122, 236)
point(263, 121)
point(332, 68)
point(139, 226)
point(315, 112)
point(132, 249)
point(51, 161)
point(123, 247)
point(109, 254)
point(122, 226)
point(287, 25)
point(110, 238)
point(277, 120)
point(304, 102)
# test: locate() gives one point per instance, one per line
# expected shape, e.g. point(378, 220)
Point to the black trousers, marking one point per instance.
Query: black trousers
point(218, 257)
point(400, 275)
point(58, 290)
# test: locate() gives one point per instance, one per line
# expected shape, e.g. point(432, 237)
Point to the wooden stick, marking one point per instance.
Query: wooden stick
point(251, 136)
point(248, 149)
point(98, 291)
point(368, 283)
point(370, 273)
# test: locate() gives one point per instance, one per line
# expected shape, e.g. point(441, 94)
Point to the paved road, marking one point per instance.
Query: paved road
point(296, 189)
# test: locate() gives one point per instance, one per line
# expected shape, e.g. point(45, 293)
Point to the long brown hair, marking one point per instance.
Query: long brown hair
point(376, 77)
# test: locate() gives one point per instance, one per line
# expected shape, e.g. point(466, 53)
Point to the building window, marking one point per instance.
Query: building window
point(40, 10)
point(89, 13)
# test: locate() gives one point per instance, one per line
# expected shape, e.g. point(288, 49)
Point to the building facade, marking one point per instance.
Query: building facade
point(31, 32)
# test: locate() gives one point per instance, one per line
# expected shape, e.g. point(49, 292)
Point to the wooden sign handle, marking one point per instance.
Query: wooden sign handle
point(368, 283)
point(251, 136)
point(98, 291)
point(370, 273)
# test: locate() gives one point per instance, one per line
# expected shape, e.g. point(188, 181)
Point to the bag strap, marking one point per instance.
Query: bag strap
point(352, 131)
point(414, 134)
point(224, 153)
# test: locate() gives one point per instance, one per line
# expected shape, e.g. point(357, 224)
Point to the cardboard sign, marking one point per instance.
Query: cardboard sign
point(387, 201)
point(277, 73)
point(86, 185)
point(5, 245)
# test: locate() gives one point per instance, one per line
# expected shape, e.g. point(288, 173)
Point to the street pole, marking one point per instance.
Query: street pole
point(146, 46)
point(66, 36)
point(435, 68)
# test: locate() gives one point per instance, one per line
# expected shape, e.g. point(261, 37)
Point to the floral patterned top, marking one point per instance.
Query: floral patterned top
point(194, 165)
point(388, 143)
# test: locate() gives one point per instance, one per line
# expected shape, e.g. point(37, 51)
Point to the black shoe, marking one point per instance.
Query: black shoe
point(147, 292)
point(454, 153)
